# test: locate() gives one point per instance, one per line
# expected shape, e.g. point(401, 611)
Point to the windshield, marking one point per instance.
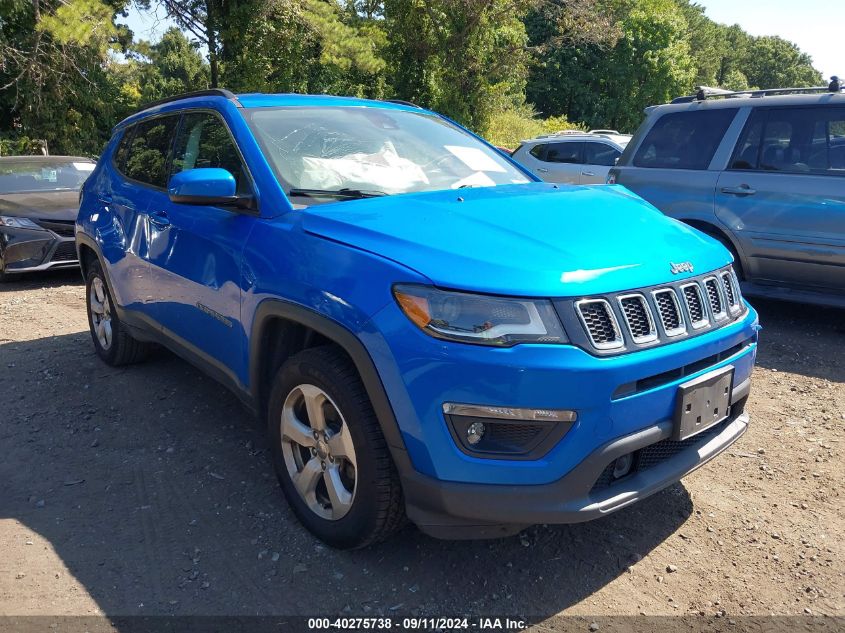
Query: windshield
point(25, 176)
point(373, 151)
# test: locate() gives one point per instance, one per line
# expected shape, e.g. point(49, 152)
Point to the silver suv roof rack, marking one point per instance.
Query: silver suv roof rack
point(706, 92)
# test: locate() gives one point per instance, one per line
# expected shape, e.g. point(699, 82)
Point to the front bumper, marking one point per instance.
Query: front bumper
point(32, 250)
point(455, 510)
point(623, 404)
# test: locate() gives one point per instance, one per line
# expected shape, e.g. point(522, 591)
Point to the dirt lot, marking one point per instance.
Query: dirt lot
point(148, 490)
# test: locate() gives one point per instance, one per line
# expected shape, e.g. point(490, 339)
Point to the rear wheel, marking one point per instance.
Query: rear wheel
point(111, 340)
point(328, 451)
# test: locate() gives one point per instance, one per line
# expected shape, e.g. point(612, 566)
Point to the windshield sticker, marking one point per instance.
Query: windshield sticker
point(50, 175)
point(475, 159)
point(83, 166)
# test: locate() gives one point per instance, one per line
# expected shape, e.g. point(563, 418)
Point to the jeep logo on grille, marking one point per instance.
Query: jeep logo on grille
point(681, 267)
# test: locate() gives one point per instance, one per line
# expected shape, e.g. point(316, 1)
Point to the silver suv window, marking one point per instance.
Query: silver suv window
point(795, 140)
point(684, 140)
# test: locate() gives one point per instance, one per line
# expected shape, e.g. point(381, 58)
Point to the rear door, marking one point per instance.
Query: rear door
point(196, 250)
point(599, 157)
point(140, 162)
point(563, 161)
point(783, 194)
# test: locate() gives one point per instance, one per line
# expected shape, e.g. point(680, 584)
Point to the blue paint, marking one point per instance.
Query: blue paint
point(201, 277)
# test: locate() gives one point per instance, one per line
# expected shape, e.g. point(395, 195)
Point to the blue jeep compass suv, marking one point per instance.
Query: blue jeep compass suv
point(428, 330)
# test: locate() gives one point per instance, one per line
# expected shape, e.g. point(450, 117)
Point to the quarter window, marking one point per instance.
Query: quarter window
point(204, 141)
point(123, 148)
point(538, 151)
point(149, 150)
point(794, 140)
point(684, 140)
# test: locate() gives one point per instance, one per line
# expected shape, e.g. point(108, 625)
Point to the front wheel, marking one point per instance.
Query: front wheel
point(328, 451)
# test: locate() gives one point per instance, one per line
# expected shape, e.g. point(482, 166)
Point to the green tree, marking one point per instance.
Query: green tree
point(174, 66)
point(465, 58)
point(773, 62)
point(55, 80)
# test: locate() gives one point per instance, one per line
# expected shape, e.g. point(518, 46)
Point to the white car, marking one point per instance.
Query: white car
point(583, 158)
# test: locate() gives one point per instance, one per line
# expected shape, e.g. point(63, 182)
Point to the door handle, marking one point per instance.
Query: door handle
point(159, 220)
point(587, 173)
point(742, 190)
point(543, 170)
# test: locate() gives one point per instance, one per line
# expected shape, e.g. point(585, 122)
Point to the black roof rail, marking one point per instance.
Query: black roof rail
point(704, 92)
point(403, 102)
point(211, 92)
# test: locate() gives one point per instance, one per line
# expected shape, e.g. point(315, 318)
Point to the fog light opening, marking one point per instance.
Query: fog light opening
point(622, 466)
point(475, 432)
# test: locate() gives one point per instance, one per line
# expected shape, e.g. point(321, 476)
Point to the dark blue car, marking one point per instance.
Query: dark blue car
point(428, 331)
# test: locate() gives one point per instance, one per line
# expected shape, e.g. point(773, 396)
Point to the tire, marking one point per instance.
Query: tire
point(4, 276)
point(727, 244)
point(118, 347)
point(367, 506)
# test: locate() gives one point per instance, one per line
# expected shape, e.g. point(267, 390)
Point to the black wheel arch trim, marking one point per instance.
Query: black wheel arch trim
point(277, 308)
point(269, 309)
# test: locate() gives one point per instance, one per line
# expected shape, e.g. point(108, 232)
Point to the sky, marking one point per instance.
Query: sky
point(815, 25)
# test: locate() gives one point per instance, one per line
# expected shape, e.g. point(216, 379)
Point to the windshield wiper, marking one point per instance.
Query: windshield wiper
point(344, 194)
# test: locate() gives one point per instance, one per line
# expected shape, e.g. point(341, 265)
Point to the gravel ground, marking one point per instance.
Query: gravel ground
point(148, 490)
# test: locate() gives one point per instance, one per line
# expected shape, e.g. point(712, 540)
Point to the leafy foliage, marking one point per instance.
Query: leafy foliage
point(69, 70)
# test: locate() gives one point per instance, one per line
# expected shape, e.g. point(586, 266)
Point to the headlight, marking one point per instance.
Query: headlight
point(480, 319)
point(18, 223)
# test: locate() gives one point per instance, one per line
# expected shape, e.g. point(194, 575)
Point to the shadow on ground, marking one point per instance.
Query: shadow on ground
point(798, 338)
point(153, 486)
point(45, 279)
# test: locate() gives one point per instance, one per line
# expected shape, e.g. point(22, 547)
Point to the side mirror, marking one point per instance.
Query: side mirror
point(206, 186)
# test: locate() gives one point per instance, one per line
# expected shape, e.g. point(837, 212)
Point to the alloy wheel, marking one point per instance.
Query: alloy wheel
point(98, 299)
point(318, 452)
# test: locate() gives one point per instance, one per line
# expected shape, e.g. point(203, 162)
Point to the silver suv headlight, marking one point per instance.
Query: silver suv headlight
point(479, 319)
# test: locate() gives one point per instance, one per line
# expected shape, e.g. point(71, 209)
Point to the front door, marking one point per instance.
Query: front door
point(196, 252)
point(783, 195)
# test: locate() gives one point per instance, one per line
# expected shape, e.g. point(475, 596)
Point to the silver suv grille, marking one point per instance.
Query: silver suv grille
point(658, 315)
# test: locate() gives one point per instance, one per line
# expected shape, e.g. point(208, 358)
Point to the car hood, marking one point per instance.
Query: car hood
point(537, 240)
point(46, 205)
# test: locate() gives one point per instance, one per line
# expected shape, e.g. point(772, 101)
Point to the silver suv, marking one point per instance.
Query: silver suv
point(763, 172)
point(578, 158)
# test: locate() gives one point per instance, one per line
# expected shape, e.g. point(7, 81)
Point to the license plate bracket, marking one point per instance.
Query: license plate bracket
point(703, 402)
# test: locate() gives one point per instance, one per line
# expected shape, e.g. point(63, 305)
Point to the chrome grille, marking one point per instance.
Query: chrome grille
point(714, 296)
point(656, 315)
point(670, 311)
point(638, 318)
point(600, 322)
point(695, 305)
point(731, 293)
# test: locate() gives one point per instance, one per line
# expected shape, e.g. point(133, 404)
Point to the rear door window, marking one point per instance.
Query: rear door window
point(149, 150)
point(808, 140)
point(684, 140)
point(601, 154)
point(565, 153)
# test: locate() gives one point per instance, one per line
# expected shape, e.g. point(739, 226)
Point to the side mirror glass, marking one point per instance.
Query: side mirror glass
point(206, 186)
